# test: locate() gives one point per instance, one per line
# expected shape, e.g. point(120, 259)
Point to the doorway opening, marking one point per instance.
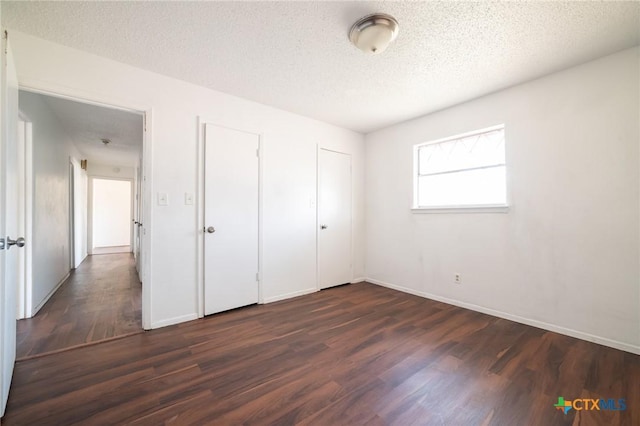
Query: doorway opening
point(111, 229)
point(84, 164)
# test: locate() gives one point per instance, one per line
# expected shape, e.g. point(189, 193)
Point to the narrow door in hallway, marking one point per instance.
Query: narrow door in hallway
point(100, 300)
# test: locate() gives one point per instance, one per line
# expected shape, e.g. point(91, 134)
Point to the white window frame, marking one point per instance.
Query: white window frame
point(471, 208)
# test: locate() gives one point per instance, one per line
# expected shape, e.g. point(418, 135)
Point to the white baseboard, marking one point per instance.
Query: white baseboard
point(174, 320)
point(290, 295)
point(48, 296)
point(522, 320)
point(111, 250)
point(358, 280)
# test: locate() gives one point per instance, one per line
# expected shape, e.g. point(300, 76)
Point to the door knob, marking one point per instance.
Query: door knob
point(1, 243)
point(18, 242)
point(323, 226)
point(211, 229)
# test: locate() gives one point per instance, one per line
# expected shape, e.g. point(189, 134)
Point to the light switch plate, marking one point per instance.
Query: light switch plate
point(163, 199)
point(188, 199)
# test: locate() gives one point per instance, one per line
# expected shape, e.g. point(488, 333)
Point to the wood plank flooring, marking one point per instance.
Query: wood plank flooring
point(99, 300)
point(352, 355)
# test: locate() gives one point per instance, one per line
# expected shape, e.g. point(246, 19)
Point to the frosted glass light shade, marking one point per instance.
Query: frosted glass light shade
point(374, 33)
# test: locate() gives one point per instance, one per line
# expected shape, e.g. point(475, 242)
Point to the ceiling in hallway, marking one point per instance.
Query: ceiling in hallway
point(296, 55)
point(88, 124)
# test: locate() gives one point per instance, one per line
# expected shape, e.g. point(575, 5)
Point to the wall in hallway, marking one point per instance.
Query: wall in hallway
point(52, 149)
point(105, 170)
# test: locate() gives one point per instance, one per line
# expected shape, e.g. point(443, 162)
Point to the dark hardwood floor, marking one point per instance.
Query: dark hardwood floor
point(99, 300)
point(352, 355)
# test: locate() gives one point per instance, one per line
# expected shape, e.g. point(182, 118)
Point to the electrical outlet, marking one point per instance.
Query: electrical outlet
point(457, 279)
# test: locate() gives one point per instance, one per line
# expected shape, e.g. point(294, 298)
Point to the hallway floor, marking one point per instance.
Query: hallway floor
point(100, 300)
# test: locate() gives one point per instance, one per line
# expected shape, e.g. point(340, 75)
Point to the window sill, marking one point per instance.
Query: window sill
point(497, 208)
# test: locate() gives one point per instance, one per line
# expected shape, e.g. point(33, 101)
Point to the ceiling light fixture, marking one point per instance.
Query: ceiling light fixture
point(374, 33)
point(106, 141)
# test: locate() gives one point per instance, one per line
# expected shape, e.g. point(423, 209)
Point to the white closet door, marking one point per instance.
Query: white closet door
point(231, 219)
point(334, 217)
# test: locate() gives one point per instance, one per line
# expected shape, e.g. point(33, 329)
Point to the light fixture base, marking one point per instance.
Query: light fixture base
point(373, 33)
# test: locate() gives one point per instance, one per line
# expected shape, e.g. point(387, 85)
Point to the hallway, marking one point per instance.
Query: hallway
point(100, 300)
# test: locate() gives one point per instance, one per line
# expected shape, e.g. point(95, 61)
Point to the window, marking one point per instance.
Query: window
point(465, 171)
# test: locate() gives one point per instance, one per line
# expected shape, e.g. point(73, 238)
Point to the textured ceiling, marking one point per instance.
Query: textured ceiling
point(88, 124)
point(296, 55)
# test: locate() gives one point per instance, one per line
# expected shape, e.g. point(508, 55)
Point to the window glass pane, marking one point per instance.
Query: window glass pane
point(473, 187)
point(478, 150)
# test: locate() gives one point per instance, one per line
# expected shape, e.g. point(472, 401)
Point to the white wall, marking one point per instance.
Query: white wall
point(289, 168)
point(105, 170)
point(51, 151)
point(112, 214)
point(566, 256)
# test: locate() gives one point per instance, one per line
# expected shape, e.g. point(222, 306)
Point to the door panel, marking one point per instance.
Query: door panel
point(72, 219)
point(79, 213)
point(139, 220)
point(231, 208)
point(334, 216)
point(9, 227)
point(136, 220)
point(21, 164)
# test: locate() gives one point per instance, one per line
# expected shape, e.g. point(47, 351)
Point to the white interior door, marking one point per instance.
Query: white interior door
point(136, 215)
point(231, 219)
point(72, 219)
point(137, 229)
point(334, 218)
point(3, 228)
point(79, 213)
point(9, 223)
point(21, 164)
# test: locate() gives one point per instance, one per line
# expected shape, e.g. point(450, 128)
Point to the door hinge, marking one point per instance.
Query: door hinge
point(258, 152)
point(257, 276)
